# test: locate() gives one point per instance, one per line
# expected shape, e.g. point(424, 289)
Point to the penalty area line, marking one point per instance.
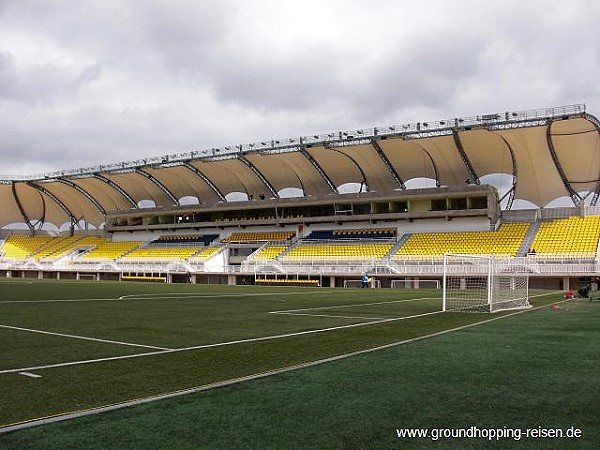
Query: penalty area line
point(183, 295)
point(353, 305)
point(60, 300)
point(85, 338)
point(218, 344)
point(234, 381)
point(264, 338)
point(327, 315)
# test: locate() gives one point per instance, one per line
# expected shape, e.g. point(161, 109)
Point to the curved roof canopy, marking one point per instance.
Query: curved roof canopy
point(548, 154)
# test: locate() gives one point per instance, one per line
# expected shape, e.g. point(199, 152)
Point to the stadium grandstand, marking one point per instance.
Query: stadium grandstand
point(389, 201)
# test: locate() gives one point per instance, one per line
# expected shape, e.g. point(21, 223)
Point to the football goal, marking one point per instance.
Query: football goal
point(87, 276)
point(474, 283)
point(373, 283)
point(419, 283)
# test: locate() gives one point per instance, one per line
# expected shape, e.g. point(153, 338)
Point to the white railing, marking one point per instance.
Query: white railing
point(547, 266)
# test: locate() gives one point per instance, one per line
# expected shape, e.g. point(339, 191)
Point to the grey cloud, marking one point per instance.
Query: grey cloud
point(42, 83)
point(7, 77)
point(137, 79)
point(184, 34)
point(300, 81)
point(425, 72)
point(423, 68)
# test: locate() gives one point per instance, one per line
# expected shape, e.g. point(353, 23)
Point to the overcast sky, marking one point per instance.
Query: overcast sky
point(93, 82)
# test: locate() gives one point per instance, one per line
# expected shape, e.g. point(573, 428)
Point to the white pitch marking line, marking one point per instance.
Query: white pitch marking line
point(265, 338)
point(327, 315)
point(153, 297)
point(218, 344)
point(159, 296)
point(87, 361)
point(352, 305)
point(61, 300)
point(256, 376)
point(85, 338)
point(30, 375)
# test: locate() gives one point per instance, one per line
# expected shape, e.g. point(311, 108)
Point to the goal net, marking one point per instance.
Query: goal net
point(87, 276)
point(474, 283)
point(416, 284)
point(374, 283)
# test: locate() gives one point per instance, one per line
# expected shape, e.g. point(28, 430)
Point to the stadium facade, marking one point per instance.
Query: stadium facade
point(299, 186)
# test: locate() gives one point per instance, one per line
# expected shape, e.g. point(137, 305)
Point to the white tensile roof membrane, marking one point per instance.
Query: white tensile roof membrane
point(547, 159)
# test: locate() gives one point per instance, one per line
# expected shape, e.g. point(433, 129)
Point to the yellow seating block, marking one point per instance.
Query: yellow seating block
point(260, 236)
point(339, 251)
point(110, 250)
point(270, 252)
point(162, 253)
point(574, 236)
point(20, 247)
point(505, 241)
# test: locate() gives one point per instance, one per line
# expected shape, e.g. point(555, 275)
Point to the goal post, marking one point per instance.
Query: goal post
point(477, 283)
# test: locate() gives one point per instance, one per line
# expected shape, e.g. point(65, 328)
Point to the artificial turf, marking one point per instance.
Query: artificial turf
point(534, 369)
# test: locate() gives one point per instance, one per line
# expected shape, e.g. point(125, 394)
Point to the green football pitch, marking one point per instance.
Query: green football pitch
point(71, 348)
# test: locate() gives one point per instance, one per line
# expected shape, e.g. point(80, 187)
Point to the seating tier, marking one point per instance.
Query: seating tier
point(339, 251)
point(505, 241)
point(574, 236)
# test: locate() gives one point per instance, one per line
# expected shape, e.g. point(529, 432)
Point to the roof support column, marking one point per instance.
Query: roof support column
point(117, 188)
point(161, 186)
point(575, 197)
point(21, 209)
point(473, 178)
point(83, 192)
point(511, 192)
point(56, 200)
point(362, 173)
point(388, 164)
point(204, 178)
point(260, 176)
point(596, 123)
point(319, 169)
